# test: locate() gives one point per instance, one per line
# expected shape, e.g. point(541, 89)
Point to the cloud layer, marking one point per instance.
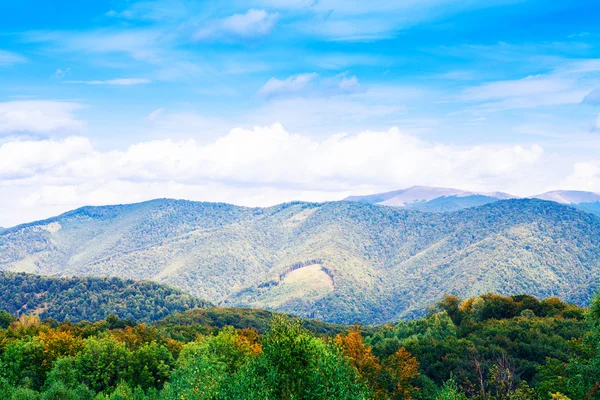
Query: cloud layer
point(255, 167)
point(39, 116)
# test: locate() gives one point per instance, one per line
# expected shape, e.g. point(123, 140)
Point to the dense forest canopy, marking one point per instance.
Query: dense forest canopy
point(489, 347)
point(91, 299)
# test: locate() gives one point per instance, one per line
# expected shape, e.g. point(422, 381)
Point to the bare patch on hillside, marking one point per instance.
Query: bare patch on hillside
point(308, 283)
point(28, 264)
point(299, 218)
point(52, 227)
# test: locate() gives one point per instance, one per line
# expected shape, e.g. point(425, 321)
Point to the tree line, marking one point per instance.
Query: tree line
point(489, 347)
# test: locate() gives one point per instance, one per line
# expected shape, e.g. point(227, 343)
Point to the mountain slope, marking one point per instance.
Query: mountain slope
point(338, 261)
point(569, 196)
point(432, 199)
point(584, 201)
point(90, 299)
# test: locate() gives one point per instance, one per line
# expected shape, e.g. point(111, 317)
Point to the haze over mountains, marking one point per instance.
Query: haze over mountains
point(337, 261)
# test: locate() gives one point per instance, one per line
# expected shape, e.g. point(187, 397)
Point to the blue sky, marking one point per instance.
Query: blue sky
point(259, 102)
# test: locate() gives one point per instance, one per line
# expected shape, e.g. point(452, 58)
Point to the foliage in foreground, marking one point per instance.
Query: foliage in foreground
point(487, 348)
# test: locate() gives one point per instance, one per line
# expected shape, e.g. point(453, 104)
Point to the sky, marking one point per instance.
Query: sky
point(260, 102)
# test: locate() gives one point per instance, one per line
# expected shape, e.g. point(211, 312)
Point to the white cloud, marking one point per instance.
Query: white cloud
point(164, 123)
point(531, 85)
point(322, 115)
point(60, 73)
point(292, 85)
point(26, 159)
point(10, 58)
point(148, 45)
point(585, 176)
point(254, 23)
point(39, 116)
point(356, 20)
point(307, 84)
point(117, 82)
point(341, 83)
point(245, 163)
point(569, 83)
point(155, 10)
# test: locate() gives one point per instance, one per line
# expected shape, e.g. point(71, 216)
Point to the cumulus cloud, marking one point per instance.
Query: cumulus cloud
point(25, 159)
point(118, 81)
point(260, 166)
point(39, 116)
point(252, 24)
point(585, 176)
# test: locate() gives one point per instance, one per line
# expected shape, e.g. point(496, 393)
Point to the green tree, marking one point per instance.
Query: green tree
point(296, 365)
point(450, 391)
point(6, 319)
point(102, 363)
point(585, 369)
point(207, 366)
point(150, 366)
point(24, 363)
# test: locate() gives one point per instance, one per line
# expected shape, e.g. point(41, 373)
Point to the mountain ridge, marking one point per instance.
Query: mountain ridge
point(336, 261)
point(440, 199)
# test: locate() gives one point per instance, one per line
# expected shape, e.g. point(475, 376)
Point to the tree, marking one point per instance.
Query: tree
point(59, 344)
point(296, 365)
point(24, 363)
point(206, 367)
point(585, 368)
point(402, 368)
point(102, 363)
point(451, 304)
point(150, 366)
point(6, 319)
point(361, 355)
point(450, 391)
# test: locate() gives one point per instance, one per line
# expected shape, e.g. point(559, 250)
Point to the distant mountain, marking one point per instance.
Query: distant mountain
point(90, 299)
point(432, 199)
point(336, 261)
point(569, 196)
point(584, 201)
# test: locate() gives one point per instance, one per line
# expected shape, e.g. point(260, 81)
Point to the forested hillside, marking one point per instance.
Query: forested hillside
point(485, 348)
point(91, 299)
point(337, 261)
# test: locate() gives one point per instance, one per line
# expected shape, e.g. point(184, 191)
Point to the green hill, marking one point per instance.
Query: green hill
point(90, 299)
point(337, 261)
point(190, 323)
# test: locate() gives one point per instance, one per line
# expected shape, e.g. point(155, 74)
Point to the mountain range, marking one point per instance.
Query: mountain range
point(342, 261)
point(436, 199)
